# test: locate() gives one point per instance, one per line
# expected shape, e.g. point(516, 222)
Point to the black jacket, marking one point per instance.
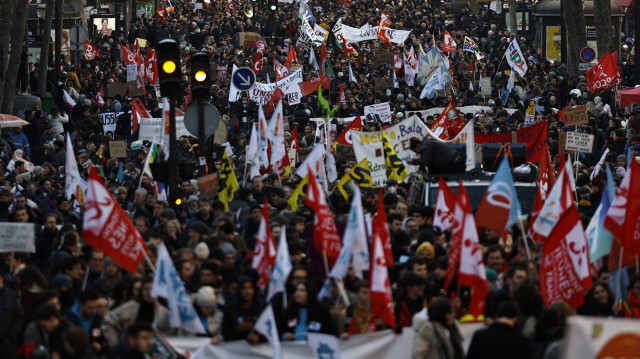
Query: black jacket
point(499, 341)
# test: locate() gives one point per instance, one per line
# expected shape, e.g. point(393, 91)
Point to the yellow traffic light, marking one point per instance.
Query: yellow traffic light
point(200, 76)
point(169, 67)
point(178, 201)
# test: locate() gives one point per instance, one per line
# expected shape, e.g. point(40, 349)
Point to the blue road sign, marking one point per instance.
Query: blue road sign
point(587, 54)
point(243, 79)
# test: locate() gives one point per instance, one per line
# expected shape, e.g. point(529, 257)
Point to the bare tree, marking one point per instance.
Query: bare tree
point(18, 35)
point(602, 20)
point(8, 7)
point(571, 57)
point(581, 24)
point(44, 52)
point(513, 20)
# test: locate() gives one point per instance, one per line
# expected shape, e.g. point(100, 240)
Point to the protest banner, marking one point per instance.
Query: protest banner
point(109, 121)
point(562, 144)
point(399, 136)
point(593, 337)
point(580, 142)
point(534, 136)
point(368, 145)
point(17, 237)
point(466, 136)
point(208, 185)
point(116, 88)
point(151, 128)
point(382, 56)
point(379, 112)
point(118, 149)
point(573, 116)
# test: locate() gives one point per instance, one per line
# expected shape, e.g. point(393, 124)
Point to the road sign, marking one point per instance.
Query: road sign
point(587, 54)
point(243, 79)
point(77, 35)
point(585, 66)
point(211, 119)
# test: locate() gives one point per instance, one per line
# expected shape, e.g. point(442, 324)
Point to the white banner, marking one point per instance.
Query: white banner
point(580, 142)
point(379, 112)
point(592, 337)
point(308, 35)
point(399, 136)
point(109, 121)
point(369, 145)
point(262, 92)
point(352, 34)
point(436, 111)
point(151, 129)
point(398, 36)
point(320, 33)
point(337, 30)
point(17, 237)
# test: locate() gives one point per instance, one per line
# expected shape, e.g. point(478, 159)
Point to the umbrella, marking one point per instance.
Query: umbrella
point(7, 121)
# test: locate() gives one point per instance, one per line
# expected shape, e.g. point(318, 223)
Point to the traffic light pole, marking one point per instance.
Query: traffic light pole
point(173, 154)
point(202, 139)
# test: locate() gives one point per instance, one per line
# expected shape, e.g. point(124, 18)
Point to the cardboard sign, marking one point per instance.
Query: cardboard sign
point(383, 83)
point(485, 86)
point(345, 153)
point(118, 149)
point(208, 185)
point(17, 237)
point(247, 36)
point(580, 142)
point(562, 144)
point(575, 115)
point(116, 88)
point(382, 56)
point(380, 112)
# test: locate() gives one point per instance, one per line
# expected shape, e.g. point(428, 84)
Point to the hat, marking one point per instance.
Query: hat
point(168, 213)
point(193, 198)
point(412, 279)
point(17, 153)
point(622, 157)
point(206, 297)
point(228, 248)
point(202, 251)
point(61, 280)
point(136, 145)
point(428, 247)
point(199, 227)
point(84, 155)
point(241, 136)
point(491, 274)
point(575, 92)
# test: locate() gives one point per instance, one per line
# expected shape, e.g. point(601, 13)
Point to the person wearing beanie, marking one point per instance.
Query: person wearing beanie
point(426, 250)
point(198, 231)
point(202, 252)
point(206, 302)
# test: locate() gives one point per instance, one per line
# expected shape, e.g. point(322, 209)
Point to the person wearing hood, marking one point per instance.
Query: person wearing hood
point(242, 312)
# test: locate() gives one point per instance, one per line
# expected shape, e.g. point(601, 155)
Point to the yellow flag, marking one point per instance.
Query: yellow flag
point(293, 199)
point(360, 174)
point(228, 181)
point(395, 168)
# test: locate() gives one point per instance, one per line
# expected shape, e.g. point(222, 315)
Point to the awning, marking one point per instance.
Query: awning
point(628, 96)
point(626, 5)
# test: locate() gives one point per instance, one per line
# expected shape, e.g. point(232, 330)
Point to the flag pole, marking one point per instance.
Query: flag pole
point(325, 261)
point(524, 238)
point(618, 288)
point(86, 277)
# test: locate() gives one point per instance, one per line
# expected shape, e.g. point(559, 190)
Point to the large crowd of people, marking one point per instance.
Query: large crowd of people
point(69, 300)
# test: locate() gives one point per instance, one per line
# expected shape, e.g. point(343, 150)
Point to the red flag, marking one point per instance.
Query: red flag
point(445, 205)
point(324, 55)
point(257, 64)
point(603, 75)
point(295, 140)
point(138, 112)
point(471, 271)
point(564, 269)
point(310, 86)
point(264, 256)
point(139, 59)
point(161, 12)
point(281, 70)
point(398, 64)
point(100, 97)
point(90, 52)
point(129, 57)
point(449, 123)
point(152, 71)
point(623, 217)
point(343, 98)
point(382, 29)
point(381, 299)
point(291, 58)
point(381, 229)
point(448, 43)
point(559, 200)
point(325, 234)
point(348, 49)
point(107, 228)
point(345, 137)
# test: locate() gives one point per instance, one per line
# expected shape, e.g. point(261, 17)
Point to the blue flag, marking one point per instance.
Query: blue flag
point(600, 239)
point(120, 173)
point(501, 197)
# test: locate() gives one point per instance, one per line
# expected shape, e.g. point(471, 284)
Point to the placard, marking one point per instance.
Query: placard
point(208, 185)
point(485, 86)
point(380, 112)
point(109, 121)
point(345, 153)
point(562, 144)
point(17, 237)
point(382, 83)
point(116, 88)
point(573, 116)
point(581, 142)
point(247, 36)
point(382, 56)
point(118, 149)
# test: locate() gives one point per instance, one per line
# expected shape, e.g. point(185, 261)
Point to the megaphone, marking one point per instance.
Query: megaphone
point(248, 11)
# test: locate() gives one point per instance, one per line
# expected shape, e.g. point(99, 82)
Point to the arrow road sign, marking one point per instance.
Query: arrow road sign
point(243, 79)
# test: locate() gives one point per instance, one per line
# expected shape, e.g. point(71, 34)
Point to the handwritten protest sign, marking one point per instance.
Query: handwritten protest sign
point(17, 237)
point(380, 112)
point(580, 142)
point(109, 121)
point(118, 149)
point(575, 115)
point(208, 185)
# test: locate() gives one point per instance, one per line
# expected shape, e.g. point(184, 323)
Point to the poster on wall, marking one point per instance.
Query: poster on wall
point(66, 44)
point(104, 26)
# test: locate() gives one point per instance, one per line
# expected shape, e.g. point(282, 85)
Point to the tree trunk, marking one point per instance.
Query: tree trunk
point(57, 58)
point(44, 52)
point(513, 28)
point(18, 35)
point(581, 24)
point(5, 29)
point(571, 57)
point(602, 20)
point(636, 30)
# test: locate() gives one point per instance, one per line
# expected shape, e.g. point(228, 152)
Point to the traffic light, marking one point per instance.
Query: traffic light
point(201, 76)
point(273, 5)
point(170, 72)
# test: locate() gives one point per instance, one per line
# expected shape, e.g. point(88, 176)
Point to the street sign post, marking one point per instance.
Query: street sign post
point(587, 54)
point(211, 119)
point(243, 79)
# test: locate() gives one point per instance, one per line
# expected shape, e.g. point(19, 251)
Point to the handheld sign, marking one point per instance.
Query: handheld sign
point(243, 79)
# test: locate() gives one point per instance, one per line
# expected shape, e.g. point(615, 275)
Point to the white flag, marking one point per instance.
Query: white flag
point(355, 243)
point(351, 77)
point(516, 59)
point(166, 137)
point(324, 345)
point(167, 284)
point(266, 325)
point(435, 83)
point(312, 159)
point(74, 184)
point(511, 81)
point(313, 61)
point(332, 171)
point(275, 134)
point(281, 269)
point(253, 154)
point(68, 99)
